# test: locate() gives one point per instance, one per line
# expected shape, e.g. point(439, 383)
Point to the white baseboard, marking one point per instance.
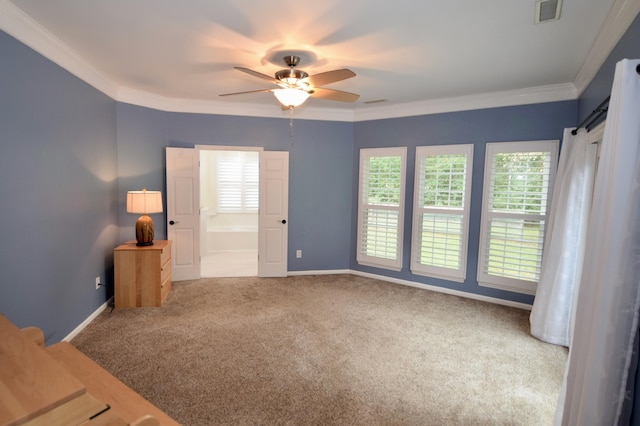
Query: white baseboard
point(511, 304)
point(321, 272)
point(465, 294)
point(87, 321)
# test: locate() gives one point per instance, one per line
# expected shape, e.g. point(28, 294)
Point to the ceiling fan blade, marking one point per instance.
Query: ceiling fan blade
point(249, 91)
point(330, 77)
point(334, 95)
point(257, 74)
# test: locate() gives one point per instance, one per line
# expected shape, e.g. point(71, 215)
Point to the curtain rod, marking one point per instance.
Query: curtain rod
point(596, 113)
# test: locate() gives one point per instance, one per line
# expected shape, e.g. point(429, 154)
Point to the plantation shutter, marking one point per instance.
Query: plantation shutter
point(441, 211)
point(237, 182)
point(381, 207)
point(517, 192)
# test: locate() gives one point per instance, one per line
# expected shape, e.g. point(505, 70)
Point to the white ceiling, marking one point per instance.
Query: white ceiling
point(403, 51)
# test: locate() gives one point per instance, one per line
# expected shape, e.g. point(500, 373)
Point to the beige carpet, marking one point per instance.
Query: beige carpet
point(329, 350)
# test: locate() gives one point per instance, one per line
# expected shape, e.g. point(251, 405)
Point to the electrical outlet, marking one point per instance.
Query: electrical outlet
point(98, 283)
point(298, 254)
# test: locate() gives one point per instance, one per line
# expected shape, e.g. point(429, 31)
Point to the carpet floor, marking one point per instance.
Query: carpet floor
point(329, 350)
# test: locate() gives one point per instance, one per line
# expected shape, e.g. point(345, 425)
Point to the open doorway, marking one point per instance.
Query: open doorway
point(229, 200)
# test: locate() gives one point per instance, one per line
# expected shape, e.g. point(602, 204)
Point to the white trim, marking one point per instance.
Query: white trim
point(87, 321)
point(320, 272)
point(437, 289)
point(198, 106)
point(525, 288)
point(228, 148)
point(445, 290)
point(492, 148)
point(617, 22)
point(416, 267)
point(23, 28)
point(362, 258)
point(408, 283)
point(532, 95)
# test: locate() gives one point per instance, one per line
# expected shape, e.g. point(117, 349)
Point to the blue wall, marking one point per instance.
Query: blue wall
point(142, 137)
point(600, 87)
point(518, 123)
point(71, 153)
point(58, 192)
point(320, 162)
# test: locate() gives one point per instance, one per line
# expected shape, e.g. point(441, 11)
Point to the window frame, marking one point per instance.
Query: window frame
point(376, 261)
point(418, 268)
point(500, 282)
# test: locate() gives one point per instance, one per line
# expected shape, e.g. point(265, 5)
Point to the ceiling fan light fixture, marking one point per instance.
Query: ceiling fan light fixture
point(291, 97)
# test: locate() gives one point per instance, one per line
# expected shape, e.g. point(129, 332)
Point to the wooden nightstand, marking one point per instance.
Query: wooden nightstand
point(142, 274)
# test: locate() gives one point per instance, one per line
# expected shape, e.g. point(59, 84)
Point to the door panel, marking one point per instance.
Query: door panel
point(274, 206)
point(183, 211)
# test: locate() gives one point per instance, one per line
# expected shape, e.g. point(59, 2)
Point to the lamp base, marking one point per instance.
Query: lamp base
point(144, 231)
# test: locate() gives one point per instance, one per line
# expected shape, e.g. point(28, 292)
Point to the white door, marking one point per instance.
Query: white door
point(183, 212)
point(274, 206)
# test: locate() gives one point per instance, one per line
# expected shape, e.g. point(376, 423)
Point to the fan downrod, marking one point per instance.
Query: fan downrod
point(291, 73)
point(291, 60)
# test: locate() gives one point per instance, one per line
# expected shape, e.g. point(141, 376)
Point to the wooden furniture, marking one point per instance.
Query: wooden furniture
point(60, 386)
point(32, 382)
point(124, 402)
point(142, 274)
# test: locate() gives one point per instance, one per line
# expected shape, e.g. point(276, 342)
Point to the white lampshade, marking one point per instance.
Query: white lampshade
point(291, 97)
point(144, 201)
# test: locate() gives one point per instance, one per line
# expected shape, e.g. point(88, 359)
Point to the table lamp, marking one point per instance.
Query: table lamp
point(144, 202)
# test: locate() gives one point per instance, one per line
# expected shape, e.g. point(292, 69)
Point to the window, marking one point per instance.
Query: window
point(381, 207)
point(442, 193)
point(237, 182)
point(517, 192)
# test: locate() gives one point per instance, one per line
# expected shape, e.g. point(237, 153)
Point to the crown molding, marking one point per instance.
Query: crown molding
point(198, 106)
point(532, 95)
point(19, 25)
point(617, 22)
point(22, 27)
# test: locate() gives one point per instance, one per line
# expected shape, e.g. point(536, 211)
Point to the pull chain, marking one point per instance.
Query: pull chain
point(291, 121)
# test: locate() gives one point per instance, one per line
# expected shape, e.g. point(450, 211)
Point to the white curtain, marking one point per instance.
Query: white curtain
point(601, 355)
point(565, 241)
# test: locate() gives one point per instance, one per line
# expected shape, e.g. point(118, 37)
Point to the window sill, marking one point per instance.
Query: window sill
point(524, 288)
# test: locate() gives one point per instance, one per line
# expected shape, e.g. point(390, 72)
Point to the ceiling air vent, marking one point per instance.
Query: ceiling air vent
point(548, 10)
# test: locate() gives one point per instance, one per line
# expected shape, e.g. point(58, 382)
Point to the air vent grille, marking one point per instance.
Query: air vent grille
point(548, 10)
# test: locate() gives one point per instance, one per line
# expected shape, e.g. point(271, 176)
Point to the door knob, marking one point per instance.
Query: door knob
point(171, 222)
point(284, 221)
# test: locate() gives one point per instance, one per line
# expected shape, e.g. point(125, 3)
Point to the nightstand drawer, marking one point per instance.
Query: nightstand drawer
point(165, 271)
point(165, 255)
point(165, 288)
point(142, 274)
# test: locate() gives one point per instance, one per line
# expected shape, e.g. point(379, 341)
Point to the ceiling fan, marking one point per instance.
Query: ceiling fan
point(294, 86)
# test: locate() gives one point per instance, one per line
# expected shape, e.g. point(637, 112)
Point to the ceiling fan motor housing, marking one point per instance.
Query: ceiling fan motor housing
point(291, 73)
point(291, 76)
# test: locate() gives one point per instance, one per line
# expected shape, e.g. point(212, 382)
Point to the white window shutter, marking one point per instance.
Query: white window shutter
point(381, 207)
point(442, 193)
point(517, 192)
point(237, 182)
